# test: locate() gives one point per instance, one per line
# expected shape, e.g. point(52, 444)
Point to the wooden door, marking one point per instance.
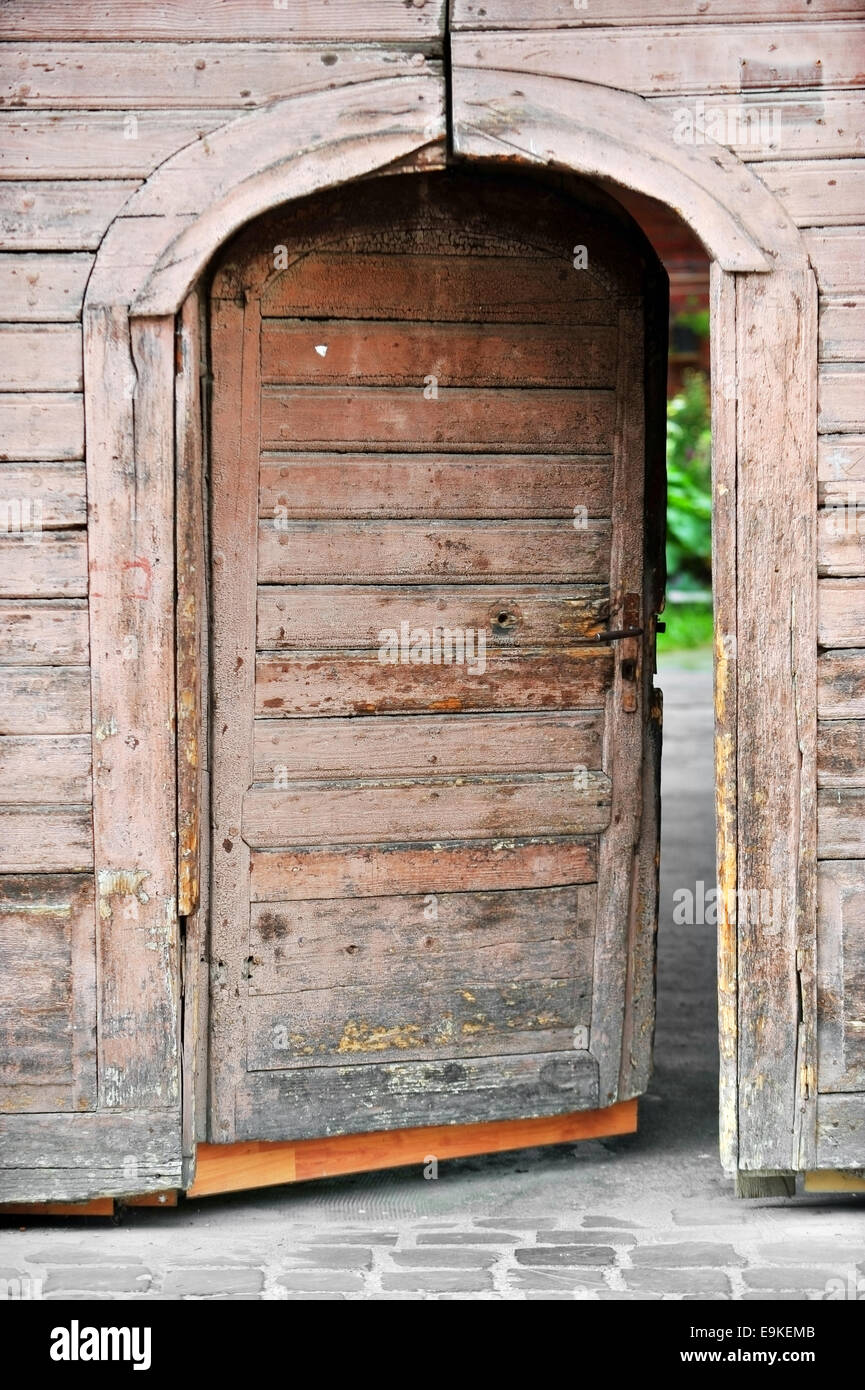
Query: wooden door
point(434, 832)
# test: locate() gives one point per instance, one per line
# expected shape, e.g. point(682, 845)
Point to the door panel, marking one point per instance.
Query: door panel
point(428, 464)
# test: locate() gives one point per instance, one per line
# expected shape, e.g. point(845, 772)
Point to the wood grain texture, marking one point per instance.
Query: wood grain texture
point(440, 744)
point(381, 353)
point(381, 20)
point(457, 809)
point(679, 59)
point(75, 1157)
point(51, 491)
point(841, 540)
point(361, 871)
point(47, 287)
point(841, 683)
point(41, 425)
point(120, 75)
point(548, 421)
point(776, 811)
point(841, 753)
point(836, 255)
point(290, 1104)
point(48, 992)
point(45, 767)
point(841, 397)
point(59, 215)
point(44, 699)
point(841, 976)
point(480, 286)
point(315, 617)
point(840, 1131)
point(43, 564)
point(310, 486)
point(841, 823)
point(818, 192)
point(43, 632)
point(841, 612)
point(842, 330)
point(235, 334)
point(130, 424)
point(348, 683)
point(840, 466)
point(47, 358)
point(98, 144)
point(561, 14)
point(45, 839)
point(232, 1167)
point(402, 552)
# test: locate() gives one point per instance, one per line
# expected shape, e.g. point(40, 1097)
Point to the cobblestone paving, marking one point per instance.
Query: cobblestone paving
point(647, 1217)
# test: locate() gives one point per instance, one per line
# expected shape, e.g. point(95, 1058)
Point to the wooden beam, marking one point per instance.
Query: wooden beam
point(232, 1167)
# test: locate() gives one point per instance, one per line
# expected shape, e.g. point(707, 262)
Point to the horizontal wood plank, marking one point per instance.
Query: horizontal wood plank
point(52, 492)
point(841, 753)
point(416, 744)
point(840, 612)
point(563, 14)
point(98, 144)
point(841, 399)
point(840, 1131)
point(41, 425)
point(382, 552)
point(361, 871)
point(43, 288)
point(44, 699)
point(841, 540)
point(384, 1022)
point(769, 124)
point(439, 939)
point(436, 485)
point(360, 812)
point(379, 20)
point(545, 421)
point(45, 767)
point(43, 564)
point(59, 215)
point(125, 76)
point(836, 255)
point(841, 823)
point(840, 465)
point(679, 59)
point(78, 1156)
point(44, 632)
point(842, 330)
point(313, 617)
point(357, 683)
point(818, 193)
point(457, 287)
point(289, 1104)
point(382, 353)
point(45, 839)
point(47, 358)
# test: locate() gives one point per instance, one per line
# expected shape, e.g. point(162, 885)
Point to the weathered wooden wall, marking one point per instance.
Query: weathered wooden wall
point(95, 96)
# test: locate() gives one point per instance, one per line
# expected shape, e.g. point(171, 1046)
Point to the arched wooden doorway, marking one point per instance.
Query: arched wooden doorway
point(437, 414)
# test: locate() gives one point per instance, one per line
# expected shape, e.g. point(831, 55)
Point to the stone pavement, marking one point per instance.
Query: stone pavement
point(648, 1216)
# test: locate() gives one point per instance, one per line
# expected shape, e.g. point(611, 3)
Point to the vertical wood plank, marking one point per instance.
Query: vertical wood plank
point(234, 526)
point(723, 346)
point(777, 654)
point(623, 728)
point(130, 420)
point(192, 748)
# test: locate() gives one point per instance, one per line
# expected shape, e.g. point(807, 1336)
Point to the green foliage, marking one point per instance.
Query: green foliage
point(689, 486)
point(688, 627)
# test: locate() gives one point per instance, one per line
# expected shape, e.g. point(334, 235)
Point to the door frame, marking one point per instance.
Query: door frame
point(142, 364)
